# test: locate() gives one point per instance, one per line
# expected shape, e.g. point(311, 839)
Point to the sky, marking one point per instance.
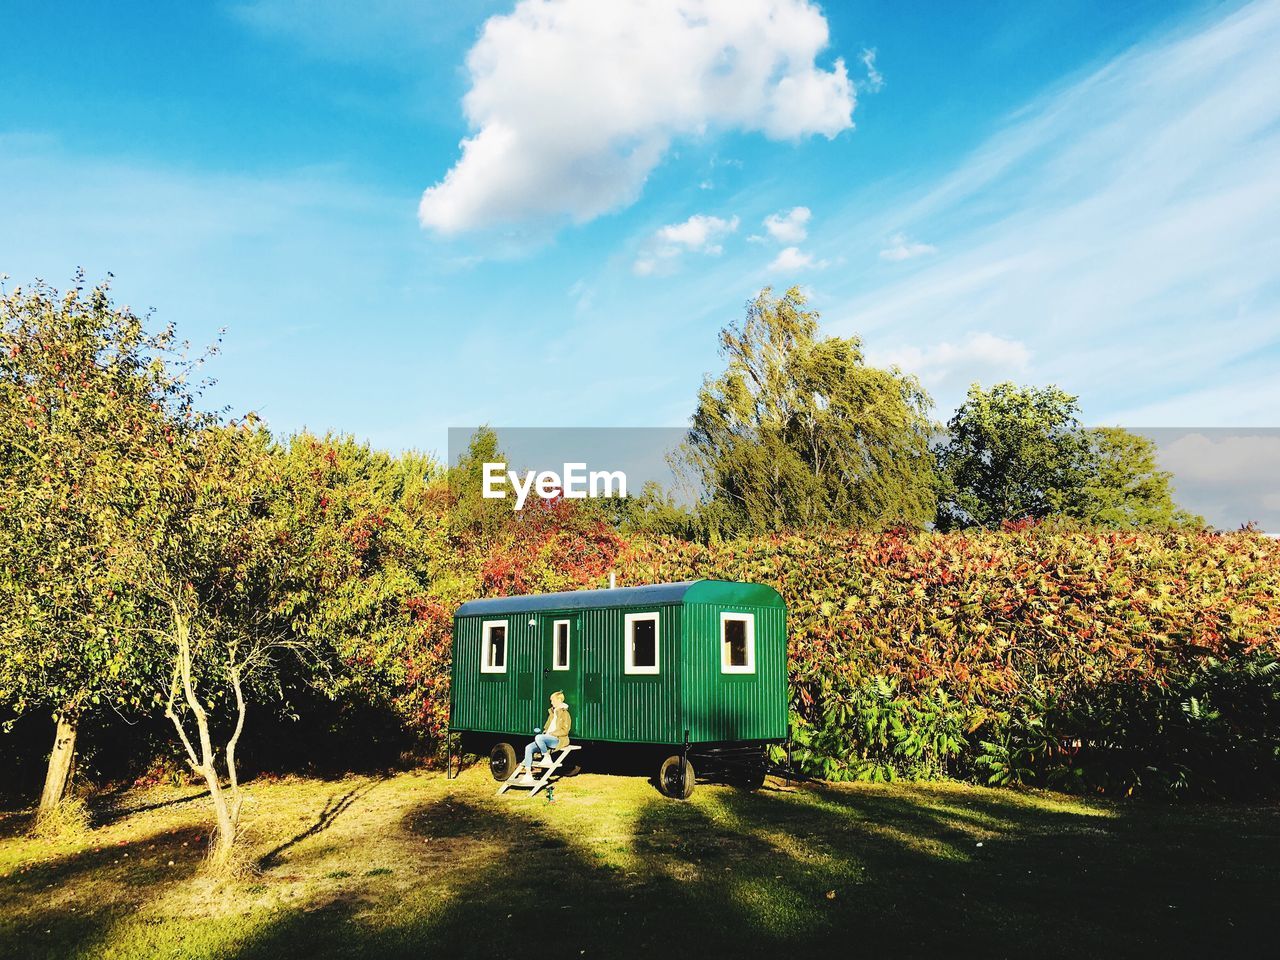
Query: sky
point(409, 216)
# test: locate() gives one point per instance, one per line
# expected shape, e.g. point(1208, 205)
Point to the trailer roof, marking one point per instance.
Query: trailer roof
point(653, 594)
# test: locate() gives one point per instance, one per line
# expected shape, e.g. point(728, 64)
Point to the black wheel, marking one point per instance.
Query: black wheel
point(502, 760)
point(673, 781)
point(748, 778)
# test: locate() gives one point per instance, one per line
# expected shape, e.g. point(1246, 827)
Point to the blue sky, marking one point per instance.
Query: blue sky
point(1077, 193)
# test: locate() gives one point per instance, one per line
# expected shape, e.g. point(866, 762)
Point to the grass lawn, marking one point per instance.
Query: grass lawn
point(419, 866)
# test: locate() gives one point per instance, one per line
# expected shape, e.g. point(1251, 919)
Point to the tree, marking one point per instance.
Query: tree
point(1018, 453)
point(798, 431)
point(1012, 453)
point(90, 404)
point(386, 575)
point(470, 514)
point(229, 571)
point(1124, 486)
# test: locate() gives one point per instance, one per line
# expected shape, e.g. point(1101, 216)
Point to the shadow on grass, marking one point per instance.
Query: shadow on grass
point(907, 872)
point(51, 908)
point(15, 823)
point(332, 809)
point(104, 814)
point(735, 873)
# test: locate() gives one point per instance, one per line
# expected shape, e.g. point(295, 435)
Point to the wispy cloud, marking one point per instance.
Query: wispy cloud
point(699, 234)
point(901, 247)
point(875, 79)
point(1126, 228)
point(978, 357)
point(793, 260)
point(384, 30)
point(789, 227)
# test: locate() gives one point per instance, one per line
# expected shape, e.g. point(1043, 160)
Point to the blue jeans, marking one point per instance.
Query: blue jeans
point(544, 743)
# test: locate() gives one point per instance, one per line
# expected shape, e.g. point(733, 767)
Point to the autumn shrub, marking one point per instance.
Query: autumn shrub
point(1042, 654)
point(68, 819)
point(388, 569)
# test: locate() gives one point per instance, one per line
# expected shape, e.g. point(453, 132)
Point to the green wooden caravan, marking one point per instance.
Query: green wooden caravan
point(671, 671)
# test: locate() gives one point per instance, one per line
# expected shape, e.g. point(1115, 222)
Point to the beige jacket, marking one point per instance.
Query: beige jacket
point(558, 724)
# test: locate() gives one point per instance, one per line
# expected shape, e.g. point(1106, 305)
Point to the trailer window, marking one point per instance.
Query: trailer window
point(493, 652)
point(737, 643)
point(560, 645)
point(642, 643)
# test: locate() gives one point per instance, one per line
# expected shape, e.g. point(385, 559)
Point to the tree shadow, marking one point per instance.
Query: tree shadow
point(778, 871)
point(913, 874)
point(54, 907)
point(15, 823)
point(103, 812)
point(919, 870)
point(334, 807)
point(495, 883)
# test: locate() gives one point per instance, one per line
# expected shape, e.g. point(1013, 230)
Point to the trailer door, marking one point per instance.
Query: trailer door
point(561, 647)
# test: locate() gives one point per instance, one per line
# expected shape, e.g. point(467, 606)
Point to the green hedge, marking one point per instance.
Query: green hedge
point(1033, 655)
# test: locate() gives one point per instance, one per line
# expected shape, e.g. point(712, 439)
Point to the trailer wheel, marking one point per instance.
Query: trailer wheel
point(502, 760)
point(671, 781)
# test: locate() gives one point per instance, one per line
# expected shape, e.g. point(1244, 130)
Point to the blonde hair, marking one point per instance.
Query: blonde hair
point(558, 693)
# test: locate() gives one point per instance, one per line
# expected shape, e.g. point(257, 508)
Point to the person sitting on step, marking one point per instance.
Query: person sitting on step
point(553, 735)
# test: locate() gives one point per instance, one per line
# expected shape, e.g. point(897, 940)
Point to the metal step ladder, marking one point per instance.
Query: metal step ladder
point(549, 764)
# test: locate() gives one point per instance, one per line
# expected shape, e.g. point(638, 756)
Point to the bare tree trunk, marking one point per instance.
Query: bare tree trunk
point(60, 761)
point(226, 803)
point(224, 841)
point(237, 798)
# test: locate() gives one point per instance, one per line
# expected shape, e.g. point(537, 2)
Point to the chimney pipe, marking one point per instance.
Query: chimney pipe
point(613, 579)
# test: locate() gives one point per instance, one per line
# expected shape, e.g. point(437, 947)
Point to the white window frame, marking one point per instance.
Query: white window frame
point(750, 620)
point(485, 642)
point(628, 651)
point(555, 644)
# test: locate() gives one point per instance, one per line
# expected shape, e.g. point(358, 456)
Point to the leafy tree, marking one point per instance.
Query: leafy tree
point(91, 407)
point(383, 570)
point(798, 431)
point(1018, 453)
point(654, 512)
point(471, 515)
point(1124, 486)
point(1012, 453)
point(229, 570)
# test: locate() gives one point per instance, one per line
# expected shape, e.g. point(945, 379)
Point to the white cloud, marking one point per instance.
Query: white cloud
point(791, 227)
point(1251, 460)
point(792, 259)
point(699, 234)
point(980, 357)
point(574, 102)
point(875, 79)
point(902, 247)
point(1230, 477)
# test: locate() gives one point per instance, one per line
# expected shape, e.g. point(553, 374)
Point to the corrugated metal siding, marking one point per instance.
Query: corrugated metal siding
point(489, 702)
point(726, 707)
point(632, 709)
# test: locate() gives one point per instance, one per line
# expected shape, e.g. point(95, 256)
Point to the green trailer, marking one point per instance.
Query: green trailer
point(667, 672)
